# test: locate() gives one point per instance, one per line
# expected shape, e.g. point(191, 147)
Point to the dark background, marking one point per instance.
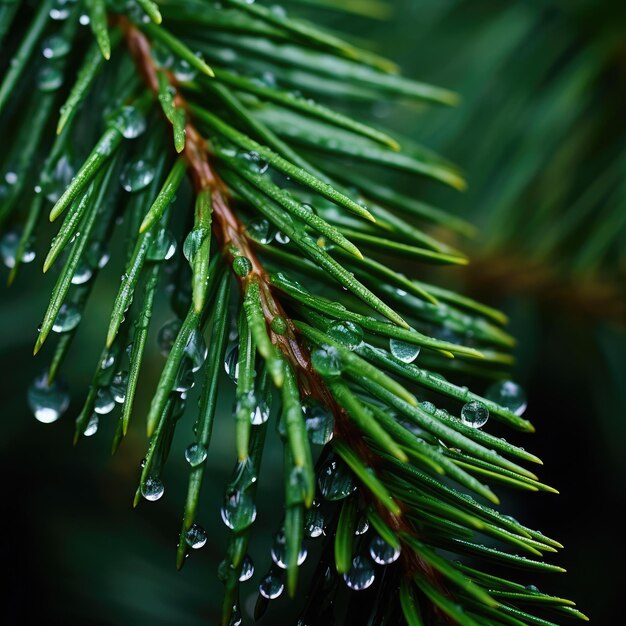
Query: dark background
point(74, 550)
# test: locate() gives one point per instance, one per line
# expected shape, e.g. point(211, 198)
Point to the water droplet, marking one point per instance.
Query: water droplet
point(382, 552)
point(119, 383)
point(152, 489)
point(281, 238)
point(319, 422)
point(360, 575)
point(261, 413)
point(314, 525)
point(82, 273)
point(8, 249)
point(167, 336)
point(247, 569)
point(55, 47)
point(474, 414)
point(59, 179)
point(253, 161)
point(196, 350)
point(279, 550)
point(508, 394)
point(429, 407)
point(183, 70)
point(238, 510)
point(84, 20)
point(130, 121)
point(362, 526)
point(92, 426)
point(48, 401)
point(532, 588)
point(335, 480)
point(49, 78)
point(162, 247)
point(279, 325)
point(405, 352)
point(61, 10)
point(104, 402)
point(260, 230)
point(184, 380)
point(231, 362)
point(196, 454)
point(196, 537)
point(193, 241)
point(242, 266)
point(136, 175)
point(326, 361)
point(347, 333)
point(67, 319)
point(271, 586)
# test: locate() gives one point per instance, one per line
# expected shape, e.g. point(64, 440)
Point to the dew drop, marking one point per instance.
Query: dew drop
point(67, 319)
point(231, 362)
point(281, 238)
point(130, 121)
point(362, 526)
point(474, 414)
point(136, 175)
point(347, 333)
point(326, 361)
point(360, 575)
point(271, 586)
point(82, 273)
point(183, 70)
point(253, 161)
point(163, 246)
point(238, 510)
point(260, 414)
point(247, 569)
point(314, 524)
point(48, 401)
point(382, 552)
point(59, 179)
point(279, 551)
point(8, 249)
point(92, 426)
point(196, 454)
point(260, 230)
point(119, 383)
point(49, 78)
point(152, 489)
point(508, 394)
point(242, 266)
point(403, 351)
point(196, 350)
point(104, 402)
point(196, 537)
point(319, 422)
point(55, 47)
point(335, 480)
point(193, 242)
point(184, 380)
point(167, 336)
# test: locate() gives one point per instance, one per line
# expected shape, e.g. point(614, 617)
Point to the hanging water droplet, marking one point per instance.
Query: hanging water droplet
point(49, 78)
point(162, 247)
point(362, 526)
point(196, 537)
point(8, 249)
point(319, 422)
point(152, 489)
point(314, 524)
point(136, 175)
point(130, 121)
point(281, 238)
point(253, 161)
point(184, 380)
point(360, 575)
point(231, 362)
point(508, 394)
point(335, 480)
point(107, 361)
point(326, 361)
point(67, 319)
point(162, 55)
point(405, 352)
point(261, 413)
point(59, 179)
point(279, 325)
point(382, 552)
point(347, 333)
point(119, 383)
point(247, 569)
point(193, 241)
point(92, 425)
point(167, 336)
point(474, 414)
point(196, 350)
point(271, 586)
point(84, 20)
point(104, 402)
point(55, 47)
point(183, 70)
point(82, 273)
point(196, 454)
point(48, 401)
point(61, 10)
point(242, 266)
point(260, 230)
point(238, 510)
point(279, 551)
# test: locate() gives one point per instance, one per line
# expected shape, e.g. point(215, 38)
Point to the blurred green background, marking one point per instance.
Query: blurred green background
point(541, 135)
